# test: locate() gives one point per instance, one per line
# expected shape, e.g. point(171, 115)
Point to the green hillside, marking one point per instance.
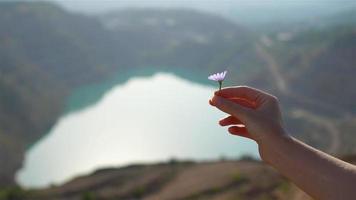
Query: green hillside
point(47, 52)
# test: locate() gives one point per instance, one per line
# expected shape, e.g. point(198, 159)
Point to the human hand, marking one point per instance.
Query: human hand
point(253, 113)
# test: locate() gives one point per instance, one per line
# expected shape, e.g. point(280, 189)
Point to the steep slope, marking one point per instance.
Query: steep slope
point(46, 52)
point(335, 85)
point(317, 63)
point(316, 67)
point(185, 40)
point(43, 54)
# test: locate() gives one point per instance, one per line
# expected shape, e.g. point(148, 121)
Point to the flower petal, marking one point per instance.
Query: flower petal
point(218, 76)
point(211, 77)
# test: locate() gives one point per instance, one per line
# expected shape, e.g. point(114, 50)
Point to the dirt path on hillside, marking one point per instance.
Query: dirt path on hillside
point(273, 68)
point(282, 86)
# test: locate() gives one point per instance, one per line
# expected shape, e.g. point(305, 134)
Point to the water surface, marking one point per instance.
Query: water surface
point(147, 119)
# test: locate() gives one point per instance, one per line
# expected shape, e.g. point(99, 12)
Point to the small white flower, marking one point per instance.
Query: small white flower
point(218, 77)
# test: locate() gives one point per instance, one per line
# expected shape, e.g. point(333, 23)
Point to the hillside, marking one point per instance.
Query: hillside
point(49, 52)
point(316, 68)
point(246, 179)
point(46, 52)
point(41, 57)
point(174, 180)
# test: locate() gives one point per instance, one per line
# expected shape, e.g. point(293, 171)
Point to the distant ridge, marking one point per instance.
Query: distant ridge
point(47, 52)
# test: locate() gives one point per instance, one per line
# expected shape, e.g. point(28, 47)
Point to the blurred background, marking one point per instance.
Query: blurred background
point(104, 99)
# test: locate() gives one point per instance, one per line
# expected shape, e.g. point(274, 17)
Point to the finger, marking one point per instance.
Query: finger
point(244, 102)
point(210, 102)
point(230, 120)
point(240, 131)
point(230, 107)
point(242, 92)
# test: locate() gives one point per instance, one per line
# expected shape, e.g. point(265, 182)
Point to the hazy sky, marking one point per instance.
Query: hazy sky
point(242, 11)
point(211, 5)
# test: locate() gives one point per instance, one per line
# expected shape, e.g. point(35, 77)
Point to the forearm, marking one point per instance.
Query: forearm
point(318, 174)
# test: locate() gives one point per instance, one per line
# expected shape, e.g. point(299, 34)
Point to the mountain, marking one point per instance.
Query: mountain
point(315, 67)
point(186, 39)
point(252, 13)
point(42, 56)
point(47, 52)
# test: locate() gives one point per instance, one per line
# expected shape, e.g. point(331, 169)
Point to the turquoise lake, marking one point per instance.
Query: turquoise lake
point(143, 120)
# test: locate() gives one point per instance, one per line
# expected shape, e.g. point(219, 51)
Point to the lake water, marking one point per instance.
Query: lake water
point(146, 119)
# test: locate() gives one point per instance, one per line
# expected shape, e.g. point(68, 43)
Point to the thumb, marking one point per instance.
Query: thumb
point(230, 107)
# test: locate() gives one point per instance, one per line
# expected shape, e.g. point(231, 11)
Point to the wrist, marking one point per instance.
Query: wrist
point(270, 147)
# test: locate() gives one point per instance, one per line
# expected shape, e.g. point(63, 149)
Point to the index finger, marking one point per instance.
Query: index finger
point(243, 92)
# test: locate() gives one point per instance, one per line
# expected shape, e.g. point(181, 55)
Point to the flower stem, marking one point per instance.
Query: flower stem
point(220, 84)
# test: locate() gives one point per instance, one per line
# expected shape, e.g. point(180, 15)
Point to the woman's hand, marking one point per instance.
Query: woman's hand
point(253, 114)
point(256, 115)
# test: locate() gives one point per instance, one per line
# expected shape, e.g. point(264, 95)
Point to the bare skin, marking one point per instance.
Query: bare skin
point(256, 115)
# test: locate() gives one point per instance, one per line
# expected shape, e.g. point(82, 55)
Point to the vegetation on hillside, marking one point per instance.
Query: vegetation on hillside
point(47, 52)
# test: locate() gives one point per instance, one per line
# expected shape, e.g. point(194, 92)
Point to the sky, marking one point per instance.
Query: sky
point(104, 5)
point(246, 10)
